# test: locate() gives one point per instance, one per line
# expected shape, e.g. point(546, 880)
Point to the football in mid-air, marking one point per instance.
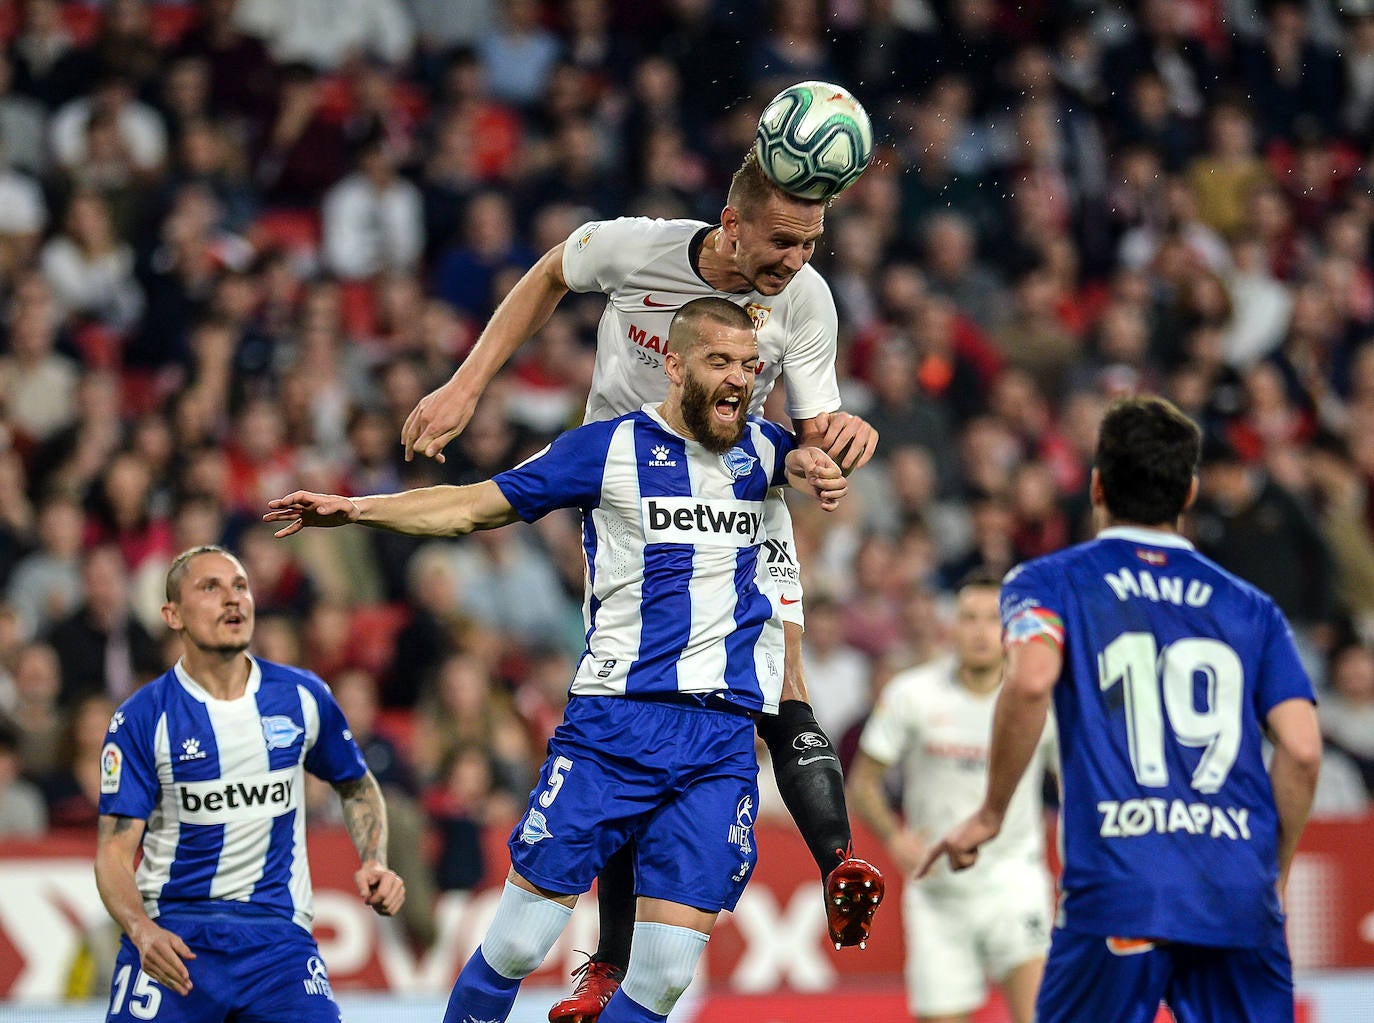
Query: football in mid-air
point(814, 140)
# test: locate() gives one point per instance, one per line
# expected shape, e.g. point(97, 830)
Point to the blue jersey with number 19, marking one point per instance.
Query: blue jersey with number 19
point(1168, 828)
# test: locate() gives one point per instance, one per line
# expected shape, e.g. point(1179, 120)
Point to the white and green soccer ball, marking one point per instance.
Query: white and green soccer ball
point(814, 140)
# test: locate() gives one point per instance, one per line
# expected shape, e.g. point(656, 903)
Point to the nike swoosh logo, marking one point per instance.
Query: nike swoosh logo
point(792, 600)
point(803, 761)
point(656, 305)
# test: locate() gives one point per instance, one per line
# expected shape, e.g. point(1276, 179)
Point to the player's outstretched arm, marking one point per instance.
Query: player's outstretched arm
point(429, 511)
point(160, 951)
point(443, 414)
point(814, 473)
point(1297, 739)
point(842, 435)
point(1018, 722)
point(364, 812)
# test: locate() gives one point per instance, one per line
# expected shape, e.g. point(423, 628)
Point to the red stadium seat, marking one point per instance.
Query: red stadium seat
point(82, 22)
point(358, 301)
point(293, 230)
point(372, 635)
point(169, 22)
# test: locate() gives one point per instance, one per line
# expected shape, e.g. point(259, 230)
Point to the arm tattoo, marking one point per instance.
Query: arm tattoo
point(115, 824)
point(365, 817)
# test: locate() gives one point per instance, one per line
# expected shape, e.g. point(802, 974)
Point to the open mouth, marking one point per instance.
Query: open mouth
point(233, 618)
point(729, 408)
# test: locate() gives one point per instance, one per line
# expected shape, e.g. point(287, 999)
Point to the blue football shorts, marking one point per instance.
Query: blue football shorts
point(249, 967)
point(1089, 978)
point(680, 780)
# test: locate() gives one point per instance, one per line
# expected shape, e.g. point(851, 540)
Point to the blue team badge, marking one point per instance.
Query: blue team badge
point(738, 463)
point(536, 828)
point(280, 731)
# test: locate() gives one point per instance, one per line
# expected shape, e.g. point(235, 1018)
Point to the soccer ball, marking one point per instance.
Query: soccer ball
point(814, 140)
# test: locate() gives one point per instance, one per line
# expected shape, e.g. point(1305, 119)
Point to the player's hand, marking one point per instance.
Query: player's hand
point(813, 472)
point(437, 418)
point(847, 439)
point(303, 509)
point(381, 888)
point(908, 849)
point(961, 845)
point(160, 953)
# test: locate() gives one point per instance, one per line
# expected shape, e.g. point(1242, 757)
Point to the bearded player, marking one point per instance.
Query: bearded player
point(757, 257)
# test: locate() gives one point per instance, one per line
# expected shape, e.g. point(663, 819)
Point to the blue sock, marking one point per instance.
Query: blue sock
point(624, 1009)
point(480, 994)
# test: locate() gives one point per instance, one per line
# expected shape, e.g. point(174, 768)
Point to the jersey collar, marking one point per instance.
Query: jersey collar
point(197, 692)
point(1149, 537)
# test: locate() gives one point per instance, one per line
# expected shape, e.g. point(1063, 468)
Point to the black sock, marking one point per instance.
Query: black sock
point(807, 768)
point(615, 897)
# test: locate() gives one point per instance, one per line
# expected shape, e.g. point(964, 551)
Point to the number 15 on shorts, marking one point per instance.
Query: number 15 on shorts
point(560, 764)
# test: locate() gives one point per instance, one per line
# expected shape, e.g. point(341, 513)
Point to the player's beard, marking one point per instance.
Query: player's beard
point(696, 413)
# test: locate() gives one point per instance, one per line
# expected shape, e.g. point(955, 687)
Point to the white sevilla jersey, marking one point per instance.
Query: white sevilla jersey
point(939, 731)
point(672, 535)
point(221, 785)
point(645, 269)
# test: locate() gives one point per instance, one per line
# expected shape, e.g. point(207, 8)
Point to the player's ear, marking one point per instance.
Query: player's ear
point(1192, 493)
point(1097, 495)
point(672, 365)
point(729, 223)
point(171, 615)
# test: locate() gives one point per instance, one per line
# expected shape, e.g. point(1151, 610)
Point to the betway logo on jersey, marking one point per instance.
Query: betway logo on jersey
point(226, 800)
point(712, 521)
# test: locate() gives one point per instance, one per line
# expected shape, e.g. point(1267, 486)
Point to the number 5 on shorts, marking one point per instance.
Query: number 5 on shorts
point(560, 764)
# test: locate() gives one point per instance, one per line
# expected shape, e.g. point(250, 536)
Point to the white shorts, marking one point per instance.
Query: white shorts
point(957, 941)
point(778, 558)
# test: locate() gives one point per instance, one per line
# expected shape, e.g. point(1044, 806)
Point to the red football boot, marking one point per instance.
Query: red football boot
point(596, 983)
point(853, 892)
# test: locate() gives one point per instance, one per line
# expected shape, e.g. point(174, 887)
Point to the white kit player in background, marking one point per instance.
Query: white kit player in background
point(992, 921)
point(203, 771)
point(758, 258)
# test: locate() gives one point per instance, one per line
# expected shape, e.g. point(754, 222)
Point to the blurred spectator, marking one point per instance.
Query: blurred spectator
point(23, 124)
point(37, 385)
point(443, 25)
point(1032, 338)
point(464, 273)
point(328, 34)
point(953, 270)
point(1292, 79)
point(46, 583)
point(464, 708)
point(47, 64)
point(303, 153)
point(519, 56)
point(123, 514)
point(22, 812)
point(124, 46)
point(1251, 526)
point(840, 694)
point(91, 271)
point(35, 713)
point(243, 78)
point(1347, 708)
point(103, 648)
point(23, 212)
point(460, 808)
point(141, 132)
point(72, 788)
point(372, 218)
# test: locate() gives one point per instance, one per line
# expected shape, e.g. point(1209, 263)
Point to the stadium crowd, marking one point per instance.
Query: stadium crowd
point(240, 240)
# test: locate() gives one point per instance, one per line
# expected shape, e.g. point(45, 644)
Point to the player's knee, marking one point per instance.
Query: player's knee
point(662, 964)
point(524, 929)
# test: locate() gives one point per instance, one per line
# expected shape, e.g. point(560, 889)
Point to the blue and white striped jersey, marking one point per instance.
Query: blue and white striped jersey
point(672, 535)
point(220, 784)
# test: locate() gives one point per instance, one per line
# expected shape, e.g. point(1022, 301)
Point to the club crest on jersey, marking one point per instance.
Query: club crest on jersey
point(280, 731)
point(659, 458)
point(111, 766)
point(190, 750)
point(1157, 558)
point(759, 313)
point(742, 830)
point(738, 463)
point(536, 828)
point(587, 236)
